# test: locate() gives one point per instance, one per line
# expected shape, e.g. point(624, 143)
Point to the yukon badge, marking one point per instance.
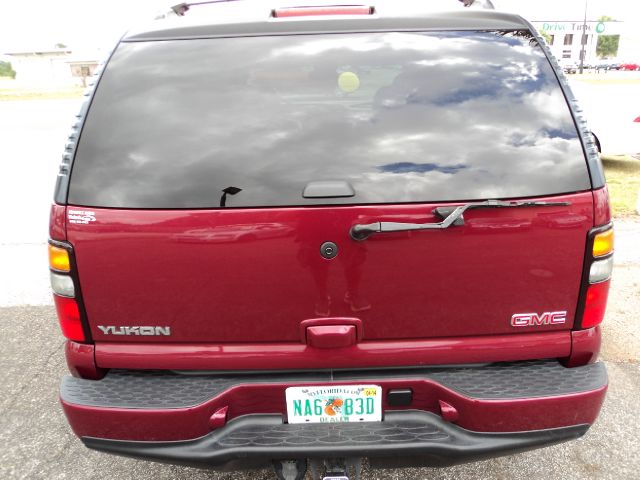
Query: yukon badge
point(111, 330)
point(535, 320)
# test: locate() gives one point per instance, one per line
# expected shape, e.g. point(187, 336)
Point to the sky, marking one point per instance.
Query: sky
point(89, 24)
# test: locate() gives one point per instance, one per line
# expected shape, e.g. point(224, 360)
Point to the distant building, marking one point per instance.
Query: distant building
point(59, 66)
point(566, 38)
point(82, 68)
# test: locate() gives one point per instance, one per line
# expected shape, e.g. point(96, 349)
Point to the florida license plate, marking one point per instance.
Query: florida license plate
point(342, 403)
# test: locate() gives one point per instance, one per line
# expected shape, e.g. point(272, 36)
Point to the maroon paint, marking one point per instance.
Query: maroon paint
point(585, 347)
point(81, 360)
point(58, 222)
point(532, 414)
point(473, 414)
point(258, 356)
point(448, 412)
point(601, 207)
point(219, 418)
point(224, 275)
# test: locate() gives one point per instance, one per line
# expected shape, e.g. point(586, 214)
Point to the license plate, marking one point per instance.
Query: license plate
point(342, 403)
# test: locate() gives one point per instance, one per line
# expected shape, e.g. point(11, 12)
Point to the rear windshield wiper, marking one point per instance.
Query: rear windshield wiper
point(450, 216)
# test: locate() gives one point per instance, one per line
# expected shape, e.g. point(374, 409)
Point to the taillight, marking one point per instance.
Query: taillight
point(595, 304)
point(59, 259)
point(603, 243)
point(600, 270)
point(65, 291)
point(596, 278)
point(69, 318)
point(62, 285)
point(318, 11)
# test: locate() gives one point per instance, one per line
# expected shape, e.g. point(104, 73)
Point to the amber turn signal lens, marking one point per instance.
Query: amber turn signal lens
point(603, 243)
point(59, 259)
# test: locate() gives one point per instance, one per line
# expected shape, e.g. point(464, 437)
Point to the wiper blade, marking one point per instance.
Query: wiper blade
point(450, 216)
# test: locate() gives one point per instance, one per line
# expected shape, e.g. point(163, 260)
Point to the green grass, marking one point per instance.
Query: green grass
point(12, 90)
point(623, 179)
point(603, 79)
point(38, 94)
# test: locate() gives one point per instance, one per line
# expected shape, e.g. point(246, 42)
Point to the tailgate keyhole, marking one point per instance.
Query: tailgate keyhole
point(328, 250)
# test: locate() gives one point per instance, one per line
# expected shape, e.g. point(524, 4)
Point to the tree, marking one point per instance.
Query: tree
point(546, 36)
point(60, 45)
point(607, 45)
point(6, 70)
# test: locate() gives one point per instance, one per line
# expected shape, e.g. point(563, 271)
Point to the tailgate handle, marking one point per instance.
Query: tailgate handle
point(331, 336)
point(307, 325)
point(450, 216)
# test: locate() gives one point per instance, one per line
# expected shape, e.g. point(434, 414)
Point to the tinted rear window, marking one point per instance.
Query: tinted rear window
point(402, 117)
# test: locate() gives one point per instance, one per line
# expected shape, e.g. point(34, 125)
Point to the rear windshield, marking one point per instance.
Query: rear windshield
point(401, 117)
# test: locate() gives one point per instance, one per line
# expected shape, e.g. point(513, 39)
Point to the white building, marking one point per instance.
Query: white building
point(566, 38)
point(52, 67)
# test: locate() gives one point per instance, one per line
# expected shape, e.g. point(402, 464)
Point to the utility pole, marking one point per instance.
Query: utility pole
point(583, 38)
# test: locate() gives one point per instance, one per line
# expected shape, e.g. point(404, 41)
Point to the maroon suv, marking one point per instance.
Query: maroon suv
point(316, 235)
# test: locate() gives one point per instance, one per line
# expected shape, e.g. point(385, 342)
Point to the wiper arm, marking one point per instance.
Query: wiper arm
point(450, 216)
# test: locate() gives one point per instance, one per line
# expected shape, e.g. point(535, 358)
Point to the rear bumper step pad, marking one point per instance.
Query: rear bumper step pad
point(407, 438)
point(166, 406)
point(501, 381)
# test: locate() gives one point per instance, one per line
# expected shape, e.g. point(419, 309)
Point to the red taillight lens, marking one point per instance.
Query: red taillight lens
point(69, 318)
point(595, 304)
point(318, 11)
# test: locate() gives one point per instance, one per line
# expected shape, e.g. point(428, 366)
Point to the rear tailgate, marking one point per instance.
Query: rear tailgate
point(255, 274)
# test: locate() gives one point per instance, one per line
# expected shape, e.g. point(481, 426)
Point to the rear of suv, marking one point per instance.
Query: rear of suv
point(325, 234)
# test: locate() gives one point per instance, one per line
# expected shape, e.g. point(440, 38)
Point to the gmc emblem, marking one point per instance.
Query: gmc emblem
point(535, 320)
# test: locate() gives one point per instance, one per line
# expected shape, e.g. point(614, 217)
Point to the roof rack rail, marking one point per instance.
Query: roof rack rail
point(182, 8)
point(488, 4)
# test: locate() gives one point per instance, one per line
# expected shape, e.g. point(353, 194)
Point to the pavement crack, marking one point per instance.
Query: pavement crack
point(51, 462)
point(31, 378)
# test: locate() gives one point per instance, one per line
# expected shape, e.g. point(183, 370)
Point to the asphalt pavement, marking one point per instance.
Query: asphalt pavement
point(37, 442)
